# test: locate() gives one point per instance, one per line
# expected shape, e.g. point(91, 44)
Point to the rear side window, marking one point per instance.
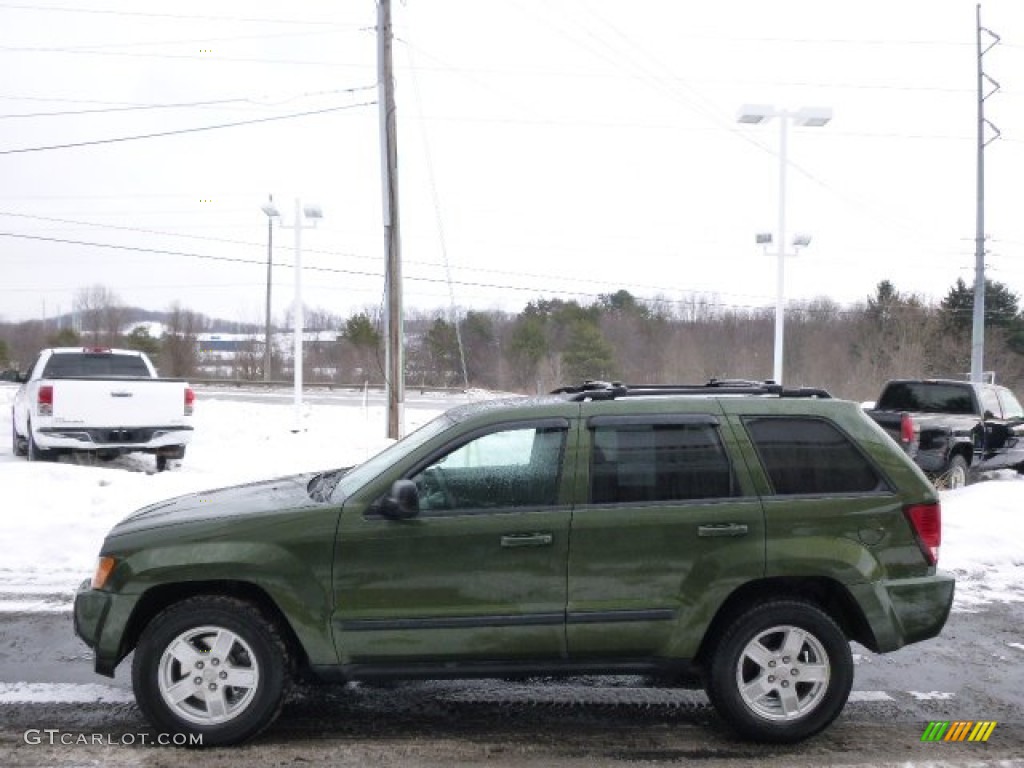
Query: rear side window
point(810, 456)
point(100, 365)
point(658, 462)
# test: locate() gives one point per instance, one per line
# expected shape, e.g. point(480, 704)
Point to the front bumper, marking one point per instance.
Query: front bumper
point(100, 621)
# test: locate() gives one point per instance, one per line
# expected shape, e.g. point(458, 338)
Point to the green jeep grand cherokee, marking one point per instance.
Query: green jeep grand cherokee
point(736, 534)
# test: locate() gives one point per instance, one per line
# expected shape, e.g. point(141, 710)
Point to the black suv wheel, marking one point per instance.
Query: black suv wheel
point(211, 666)
point(781, 672)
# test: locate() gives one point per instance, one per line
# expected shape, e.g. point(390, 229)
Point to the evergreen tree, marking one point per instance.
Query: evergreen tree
point(65, 337)
point(140, 339)
point(443, 349)
point(360, 331)
point(588, 355)
point(957, 308)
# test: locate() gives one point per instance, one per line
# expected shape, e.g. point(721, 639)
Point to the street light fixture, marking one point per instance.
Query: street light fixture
point(313, 213)
point(807, 117)
point(271, 210)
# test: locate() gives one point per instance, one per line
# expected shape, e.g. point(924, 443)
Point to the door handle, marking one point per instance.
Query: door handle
point(513, 540)
point(722, 529)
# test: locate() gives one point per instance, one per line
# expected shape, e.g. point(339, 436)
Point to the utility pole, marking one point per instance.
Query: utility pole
point(395, 374)
point(978, 327)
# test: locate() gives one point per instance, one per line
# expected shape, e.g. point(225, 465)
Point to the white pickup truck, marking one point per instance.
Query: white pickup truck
point(103, 401)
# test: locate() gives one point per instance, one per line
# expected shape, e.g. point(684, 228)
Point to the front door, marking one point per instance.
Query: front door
point(479, 573)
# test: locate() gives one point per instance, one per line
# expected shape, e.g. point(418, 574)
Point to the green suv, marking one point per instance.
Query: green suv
point(732, 535)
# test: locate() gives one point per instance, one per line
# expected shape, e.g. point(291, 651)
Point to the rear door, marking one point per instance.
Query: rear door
point(667, 528)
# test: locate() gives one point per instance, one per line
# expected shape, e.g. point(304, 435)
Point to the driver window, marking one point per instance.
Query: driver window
point(509, 468)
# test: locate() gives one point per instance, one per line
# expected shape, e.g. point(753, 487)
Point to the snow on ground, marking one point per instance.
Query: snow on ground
point(53, 516)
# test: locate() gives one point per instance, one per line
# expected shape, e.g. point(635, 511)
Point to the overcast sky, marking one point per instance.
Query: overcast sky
point(546, 149)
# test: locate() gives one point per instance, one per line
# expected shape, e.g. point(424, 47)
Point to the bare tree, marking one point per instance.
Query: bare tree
point(180, 349)
point(101, 314)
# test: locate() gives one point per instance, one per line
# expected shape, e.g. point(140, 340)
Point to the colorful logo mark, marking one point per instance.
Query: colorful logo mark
point(958, 730)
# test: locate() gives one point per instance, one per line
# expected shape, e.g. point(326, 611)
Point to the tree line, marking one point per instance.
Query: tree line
point(849, 350)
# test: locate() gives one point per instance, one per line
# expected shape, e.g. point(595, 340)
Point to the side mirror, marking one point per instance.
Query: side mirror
point(403, 502)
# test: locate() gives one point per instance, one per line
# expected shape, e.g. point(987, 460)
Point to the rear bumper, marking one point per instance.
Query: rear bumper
point(905, 611)
point(122, 440)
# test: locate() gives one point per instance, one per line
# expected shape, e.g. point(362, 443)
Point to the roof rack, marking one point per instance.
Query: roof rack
point(612, 390)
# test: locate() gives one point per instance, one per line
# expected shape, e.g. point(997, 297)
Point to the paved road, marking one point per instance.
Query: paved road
point(972, 672)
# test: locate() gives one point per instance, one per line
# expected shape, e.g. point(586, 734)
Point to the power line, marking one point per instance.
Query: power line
point(186, 130)
point(183, 56)
point(182, 105)
point(184, 17)
point(701, 298)
point(105, 110)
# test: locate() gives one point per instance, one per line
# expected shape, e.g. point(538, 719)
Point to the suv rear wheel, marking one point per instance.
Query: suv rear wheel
point(781, 672)
point(211, 666)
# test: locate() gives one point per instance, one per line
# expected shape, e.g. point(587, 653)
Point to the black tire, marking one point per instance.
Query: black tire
point(35, 453)
point(793, 641)
point(957, 474)
point(251, 653)
point(163, 460)
point(19, 446)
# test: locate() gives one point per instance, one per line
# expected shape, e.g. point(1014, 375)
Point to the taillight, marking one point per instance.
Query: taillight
point(926, 520)
point(906, 429)
point(44, 400)
point(190, 401)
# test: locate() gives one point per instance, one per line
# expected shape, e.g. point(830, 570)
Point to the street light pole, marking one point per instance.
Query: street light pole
point(314, 214)
point(271, 211)
point(780, 281)
point(812, 117)
point(298, 317)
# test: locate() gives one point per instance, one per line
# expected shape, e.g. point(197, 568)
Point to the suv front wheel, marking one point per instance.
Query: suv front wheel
point(781, 672)
point(212, 667)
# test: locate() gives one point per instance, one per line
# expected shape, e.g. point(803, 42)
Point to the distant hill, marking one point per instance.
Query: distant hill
point(134, 316)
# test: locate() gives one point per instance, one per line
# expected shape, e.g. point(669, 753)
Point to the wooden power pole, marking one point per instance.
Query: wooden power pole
point(395, 374)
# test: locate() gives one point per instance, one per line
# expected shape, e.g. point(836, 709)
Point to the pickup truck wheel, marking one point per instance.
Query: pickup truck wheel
point(957, 473)
point(163, 460)
point(211, 666)
point(781, 672)
point(35, 453)
point(19, 445)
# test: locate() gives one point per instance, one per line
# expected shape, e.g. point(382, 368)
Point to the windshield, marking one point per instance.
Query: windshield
point(360, 475)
